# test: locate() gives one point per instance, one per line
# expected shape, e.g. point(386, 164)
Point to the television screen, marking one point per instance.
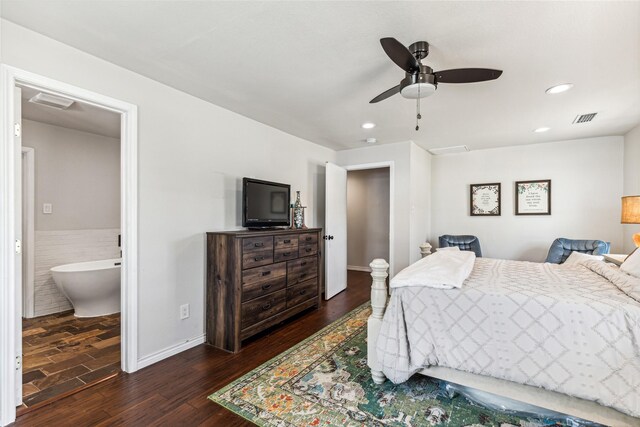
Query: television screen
point(265, 204)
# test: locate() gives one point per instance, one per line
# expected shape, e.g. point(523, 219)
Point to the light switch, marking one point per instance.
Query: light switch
point(47, 208)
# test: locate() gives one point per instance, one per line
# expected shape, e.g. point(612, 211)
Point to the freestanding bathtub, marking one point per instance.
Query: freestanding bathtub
point(92, 287)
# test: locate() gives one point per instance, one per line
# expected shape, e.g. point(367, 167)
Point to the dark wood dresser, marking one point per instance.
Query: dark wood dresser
point(256, 279)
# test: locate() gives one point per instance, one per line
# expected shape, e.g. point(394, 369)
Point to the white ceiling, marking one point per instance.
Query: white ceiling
point(310, 68)
point(79, 116)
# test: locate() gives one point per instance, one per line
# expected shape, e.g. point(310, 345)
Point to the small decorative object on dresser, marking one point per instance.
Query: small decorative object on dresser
point(533, 197)
point(484, 199)
point(256, 279)
point(298, 213)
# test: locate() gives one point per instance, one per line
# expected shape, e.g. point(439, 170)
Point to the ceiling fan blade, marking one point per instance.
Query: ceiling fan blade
point(386, 94)
point(467, 75)
point(400, 54)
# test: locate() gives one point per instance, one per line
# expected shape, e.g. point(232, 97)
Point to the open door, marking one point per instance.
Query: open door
point(335, 239)
point(18, 230)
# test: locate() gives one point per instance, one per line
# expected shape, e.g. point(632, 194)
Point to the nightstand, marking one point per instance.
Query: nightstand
point(616, 259)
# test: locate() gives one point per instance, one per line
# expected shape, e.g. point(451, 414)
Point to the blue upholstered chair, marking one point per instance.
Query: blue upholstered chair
point(465, 243)
point(561, 249)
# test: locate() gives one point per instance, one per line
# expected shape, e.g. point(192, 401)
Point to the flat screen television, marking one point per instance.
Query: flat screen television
point(265, 204)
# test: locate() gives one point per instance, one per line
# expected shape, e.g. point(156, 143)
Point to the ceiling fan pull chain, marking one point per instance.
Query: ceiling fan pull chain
point(418, 115)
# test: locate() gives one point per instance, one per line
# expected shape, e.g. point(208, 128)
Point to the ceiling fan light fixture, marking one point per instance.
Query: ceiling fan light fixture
point(559, 88)
point(418, 90)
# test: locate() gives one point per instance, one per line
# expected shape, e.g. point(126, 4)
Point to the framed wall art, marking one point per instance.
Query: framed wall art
point(533, 197)
point(484, 199)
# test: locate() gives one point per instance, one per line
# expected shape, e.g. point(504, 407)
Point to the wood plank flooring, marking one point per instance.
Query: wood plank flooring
point(62, 353)
point(174, 392)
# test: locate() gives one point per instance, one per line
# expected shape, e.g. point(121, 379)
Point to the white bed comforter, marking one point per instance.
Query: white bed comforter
point(571, 329)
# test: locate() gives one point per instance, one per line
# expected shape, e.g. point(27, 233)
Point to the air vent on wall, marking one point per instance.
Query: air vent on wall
point(584, 118)
point(449, 150)
point(53, 101)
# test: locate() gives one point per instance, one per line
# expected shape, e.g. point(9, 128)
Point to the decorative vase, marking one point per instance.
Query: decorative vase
point(298, 213)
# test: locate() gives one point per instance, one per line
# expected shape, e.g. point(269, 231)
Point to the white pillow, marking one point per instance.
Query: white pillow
point(448, 248)
point(631, 265)
point(579, 257)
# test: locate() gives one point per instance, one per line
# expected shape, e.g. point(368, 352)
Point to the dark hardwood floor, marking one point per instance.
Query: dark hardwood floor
point(174, 392)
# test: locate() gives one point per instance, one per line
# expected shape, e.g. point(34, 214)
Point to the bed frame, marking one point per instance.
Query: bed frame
point(555, 401)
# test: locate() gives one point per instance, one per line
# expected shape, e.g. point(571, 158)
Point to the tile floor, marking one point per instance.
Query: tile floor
point(62, 352)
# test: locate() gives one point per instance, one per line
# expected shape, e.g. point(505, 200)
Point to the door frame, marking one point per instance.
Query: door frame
point(379, 165)
point(11, 77)
point(28, 237)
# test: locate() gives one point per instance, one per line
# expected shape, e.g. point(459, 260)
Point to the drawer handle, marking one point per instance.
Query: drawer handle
point(302, 264)
point(303, 291)
point(286, 241)
point(258, 258)
point(308, 239)
point(266, 273)
point(258, 245)
point(265, 287)
point(286, 254)
point(266, 306)
point(308, 249)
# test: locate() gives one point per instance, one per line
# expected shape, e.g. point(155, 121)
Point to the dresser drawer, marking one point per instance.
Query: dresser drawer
point(263, 287)
point(288, 241)
point(261, 274)
point(301, 269)
point(257, 258)
point(308, 238)
point(250, 244)
point(301, 292)
point(308, 249)
point(285, 254)
point(262, 308)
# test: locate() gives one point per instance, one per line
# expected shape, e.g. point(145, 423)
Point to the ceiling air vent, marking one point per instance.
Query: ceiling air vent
point(584, 118)
point(449, 150)
point(53, 101)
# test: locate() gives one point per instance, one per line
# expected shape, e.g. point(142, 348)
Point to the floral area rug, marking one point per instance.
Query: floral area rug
point(325, 381)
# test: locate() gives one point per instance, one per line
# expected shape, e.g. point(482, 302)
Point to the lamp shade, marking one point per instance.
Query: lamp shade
point(630, 210)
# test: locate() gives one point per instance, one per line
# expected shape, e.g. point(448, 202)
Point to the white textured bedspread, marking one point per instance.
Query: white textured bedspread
point(572, 329)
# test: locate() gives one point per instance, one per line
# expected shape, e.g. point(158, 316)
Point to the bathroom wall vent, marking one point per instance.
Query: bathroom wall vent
point(52, 101)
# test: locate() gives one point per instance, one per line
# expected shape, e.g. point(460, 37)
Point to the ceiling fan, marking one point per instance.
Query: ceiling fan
point(420, 80)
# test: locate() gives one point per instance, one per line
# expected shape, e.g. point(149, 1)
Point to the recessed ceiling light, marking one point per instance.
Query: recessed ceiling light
point(368, 125)
point(540, 130)
point(559, 88)
point(371, 140)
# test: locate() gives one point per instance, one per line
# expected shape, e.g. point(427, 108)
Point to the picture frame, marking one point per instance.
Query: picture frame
point(279, 202)
point(533, 197)
point(485, 199)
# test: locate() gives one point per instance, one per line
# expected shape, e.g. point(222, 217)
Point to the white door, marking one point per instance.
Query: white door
point(18, 230)
point(335, 238)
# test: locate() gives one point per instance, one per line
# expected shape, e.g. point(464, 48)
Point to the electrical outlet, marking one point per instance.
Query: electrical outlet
point(47, 208)
point(184, 311)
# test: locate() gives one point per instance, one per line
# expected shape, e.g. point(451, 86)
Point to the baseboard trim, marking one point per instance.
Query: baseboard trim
point(358, 268)
point(170, 351)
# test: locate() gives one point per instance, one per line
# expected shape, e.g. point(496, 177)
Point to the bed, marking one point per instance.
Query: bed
point(565, 337)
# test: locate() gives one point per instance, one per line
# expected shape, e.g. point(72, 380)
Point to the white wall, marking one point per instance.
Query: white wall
point(420, 196)
point(367, 216)
point(78, 173)
point(586, 185)
point(192, 156)
point(631, 180)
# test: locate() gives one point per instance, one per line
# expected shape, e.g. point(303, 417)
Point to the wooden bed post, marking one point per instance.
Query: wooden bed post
point(379, 274)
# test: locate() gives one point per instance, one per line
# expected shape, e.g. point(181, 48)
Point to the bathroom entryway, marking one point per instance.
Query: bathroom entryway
point(63, 353)
point(71, 232)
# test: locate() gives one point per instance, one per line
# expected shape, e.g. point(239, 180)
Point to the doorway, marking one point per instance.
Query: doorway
point(368, 217)
point(11, 254)
point(71, 318)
